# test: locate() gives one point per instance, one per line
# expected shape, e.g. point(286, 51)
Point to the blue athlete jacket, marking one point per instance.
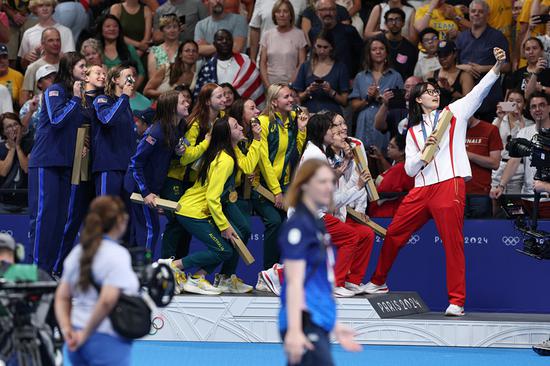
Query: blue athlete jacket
point(113, 134)
point(149, 165)
point(303, 237)
point(55, 136)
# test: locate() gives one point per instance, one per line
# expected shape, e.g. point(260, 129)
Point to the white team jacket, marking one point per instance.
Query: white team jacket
point(451, 159)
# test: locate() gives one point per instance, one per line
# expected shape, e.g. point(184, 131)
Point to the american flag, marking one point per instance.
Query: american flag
point(247, 82)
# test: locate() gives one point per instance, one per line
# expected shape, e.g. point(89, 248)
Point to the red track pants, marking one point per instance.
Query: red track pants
point(444, 202)
point(354, 242)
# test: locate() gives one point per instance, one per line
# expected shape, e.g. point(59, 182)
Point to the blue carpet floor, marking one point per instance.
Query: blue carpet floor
point(148, 353)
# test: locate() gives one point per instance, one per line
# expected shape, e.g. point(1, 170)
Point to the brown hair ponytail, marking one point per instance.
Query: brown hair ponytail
point(104, 213)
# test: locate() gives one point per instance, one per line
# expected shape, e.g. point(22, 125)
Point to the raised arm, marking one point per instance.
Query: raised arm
point(467, 105)
point(108, 113)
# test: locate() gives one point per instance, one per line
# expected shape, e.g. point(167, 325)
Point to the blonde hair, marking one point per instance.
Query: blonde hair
point(35, 3)
point(272, 94)
point(92, 43)
point(167, 20)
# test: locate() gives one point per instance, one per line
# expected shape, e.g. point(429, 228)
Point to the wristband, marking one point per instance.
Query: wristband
point(500, 185)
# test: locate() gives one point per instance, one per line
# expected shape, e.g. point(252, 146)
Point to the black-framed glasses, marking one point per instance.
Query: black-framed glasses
point(432, 92)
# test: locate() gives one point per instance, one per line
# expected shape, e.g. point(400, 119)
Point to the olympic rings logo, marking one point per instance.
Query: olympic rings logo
point(414, 239)
point(156, 324)
point(510, 240)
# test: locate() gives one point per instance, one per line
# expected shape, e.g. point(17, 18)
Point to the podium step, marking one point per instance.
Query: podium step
point(254, 318)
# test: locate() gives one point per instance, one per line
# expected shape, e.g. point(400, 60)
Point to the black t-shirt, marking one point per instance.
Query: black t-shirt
point(316, 23)
point(519, 78)
point(403, 56)
point(16, 177)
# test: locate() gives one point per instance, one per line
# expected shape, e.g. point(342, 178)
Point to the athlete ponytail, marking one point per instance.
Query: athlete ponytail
point(104, 213)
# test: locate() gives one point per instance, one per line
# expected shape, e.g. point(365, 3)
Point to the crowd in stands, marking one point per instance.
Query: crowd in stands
point(194, 101)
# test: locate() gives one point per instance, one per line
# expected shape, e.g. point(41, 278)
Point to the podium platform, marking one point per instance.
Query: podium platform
point(254, 318)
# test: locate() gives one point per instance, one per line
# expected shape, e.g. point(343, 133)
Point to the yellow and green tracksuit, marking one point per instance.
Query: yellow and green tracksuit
point(175, 239)
point(205, 211)
point(281, 146)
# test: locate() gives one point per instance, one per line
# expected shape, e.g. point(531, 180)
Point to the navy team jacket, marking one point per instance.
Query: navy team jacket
point(149, 165)
point(55, 136)
point(114, 136)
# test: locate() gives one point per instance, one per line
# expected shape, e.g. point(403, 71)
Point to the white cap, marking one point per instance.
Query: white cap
point(44, 71)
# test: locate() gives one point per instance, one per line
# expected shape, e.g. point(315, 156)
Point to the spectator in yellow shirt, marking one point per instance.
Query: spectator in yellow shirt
point(10, 78)
point(445, 18)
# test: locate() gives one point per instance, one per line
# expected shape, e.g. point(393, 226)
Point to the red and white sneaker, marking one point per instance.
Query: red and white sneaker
point(273, 278)
point(454, 310)
point(371, 288)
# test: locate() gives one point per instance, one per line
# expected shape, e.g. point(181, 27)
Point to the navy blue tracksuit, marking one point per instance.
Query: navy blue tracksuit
point(79, 200)
point(113, 143)
point(50, 168)
point(146, 174)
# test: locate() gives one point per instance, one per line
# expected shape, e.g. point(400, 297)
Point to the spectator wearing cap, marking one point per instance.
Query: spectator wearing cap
point(30, 110)
point(453, 83)
point(428, 61)
point(402, 52)
point(475, 47)
point(10, 78)
point(218, 19)
point(143, 119)
point(31, 44)
point(188, 11)
point(14, 163)
point(51, 45)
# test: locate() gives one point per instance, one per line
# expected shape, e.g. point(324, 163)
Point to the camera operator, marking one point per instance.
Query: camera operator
point(539, 107)
point(99, 260)
point(8, 263)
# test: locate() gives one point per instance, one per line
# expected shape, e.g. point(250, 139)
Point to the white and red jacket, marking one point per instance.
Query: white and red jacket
point(450, 159)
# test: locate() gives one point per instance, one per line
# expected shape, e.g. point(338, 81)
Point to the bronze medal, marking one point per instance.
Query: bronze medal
point(233, 196)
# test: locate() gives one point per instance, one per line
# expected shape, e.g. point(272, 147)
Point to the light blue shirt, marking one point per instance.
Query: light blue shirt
point(234, 23)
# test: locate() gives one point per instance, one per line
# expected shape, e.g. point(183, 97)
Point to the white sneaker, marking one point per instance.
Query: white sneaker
point(219, 282)
point(233, 285)
point(271, 278)
point(179, 275)
point(343, 292)
point(357, 289)
point(260, 285)
point(371, 288)
point(454, 310)
point(200, 285)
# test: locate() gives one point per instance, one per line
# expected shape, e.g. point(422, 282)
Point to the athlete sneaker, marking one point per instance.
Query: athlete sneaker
point(199, 285)
point(233, 285)
point(543, 348)
point(179, 275)
point(454, 310)
point(371, 288)
point(343, 292)
point(272, 278)
point(260, 285)
point(357, 289)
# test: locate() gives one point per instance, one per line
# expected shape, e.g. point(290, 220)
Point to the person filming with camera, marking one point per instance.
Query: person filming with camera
point(539, 107)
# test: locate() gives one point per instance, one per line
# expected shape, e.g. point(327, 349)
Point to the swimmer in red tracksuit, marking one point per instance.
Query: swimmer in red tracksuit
point(439, 191)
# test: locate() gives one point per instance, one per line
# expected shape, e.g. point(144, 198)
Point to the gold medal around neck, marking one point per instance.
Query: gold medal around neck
point(233, 196)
